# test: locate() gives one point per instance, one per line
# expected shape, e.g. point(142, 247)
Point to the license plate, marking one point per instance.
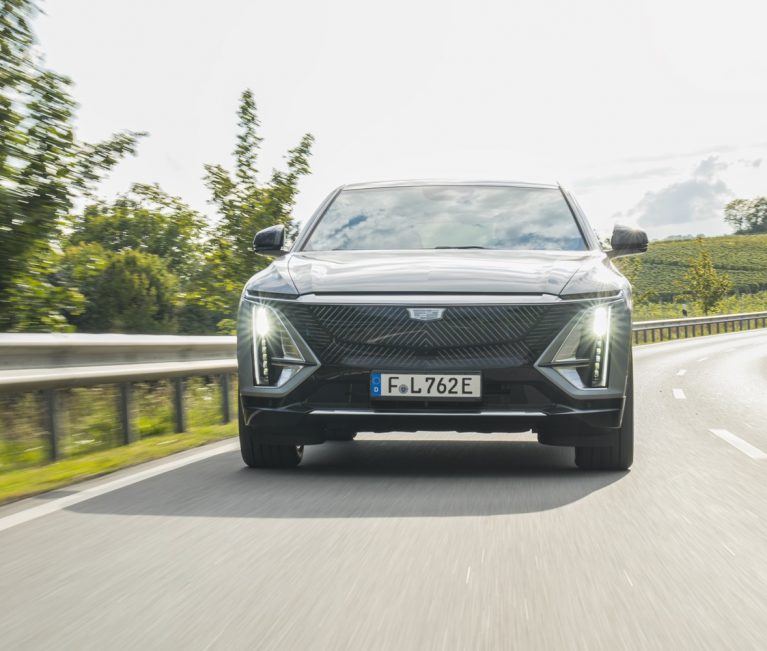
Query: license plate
point(426, 386)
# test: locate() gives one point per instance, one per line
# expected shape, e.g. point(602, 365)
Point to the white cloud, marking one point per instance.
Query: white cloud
point(692, 204)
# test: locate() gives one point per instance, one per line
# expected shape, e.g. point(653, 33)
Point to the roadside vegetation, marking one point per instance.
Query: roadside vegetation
point(90, 441)
point(177, 271)
point(713, 275)
point(25, 482)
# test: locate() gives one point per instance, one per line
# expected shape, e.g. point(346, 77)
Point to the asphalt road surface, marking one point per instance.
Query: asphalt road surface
point(423, 541)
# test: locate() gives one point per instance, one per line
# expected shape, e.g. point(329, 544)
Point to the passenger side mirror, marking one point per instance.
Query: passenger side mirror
point(270, 241)
point(627, 241)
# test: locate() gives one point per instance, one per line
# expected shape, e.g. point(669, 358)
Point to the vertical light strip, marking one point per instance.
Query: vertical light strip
point(255, 348)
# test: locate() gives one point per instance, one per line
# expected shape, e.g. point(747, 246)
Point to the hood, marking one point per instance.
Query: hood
point(442, 271)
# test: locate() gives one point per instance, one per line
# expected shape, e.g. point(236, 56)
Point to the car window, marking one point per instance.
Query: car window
point(447, 216)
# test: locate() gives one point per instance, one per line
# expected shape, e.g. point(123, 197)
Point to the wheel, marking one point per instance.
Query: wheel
point(620, 455)
point(266, 455)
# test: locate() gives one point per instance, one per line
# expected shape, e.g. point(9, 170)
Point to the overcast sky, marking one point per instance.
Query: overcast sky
point(654, 112)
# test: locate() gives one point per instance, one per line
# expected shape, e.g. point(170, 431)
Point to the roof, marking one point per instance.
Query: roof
point(422, 182)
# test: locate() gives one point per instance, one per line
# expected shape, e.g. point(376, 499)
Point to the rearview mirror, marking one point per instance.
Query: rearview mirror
point(627, 241)
point(270, 241)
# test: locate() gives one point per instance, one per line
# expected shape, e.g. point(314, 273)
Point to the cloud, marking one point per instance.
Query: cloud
point(709, 167)
point(627, 177)
point(720, 149)
point(700, 198)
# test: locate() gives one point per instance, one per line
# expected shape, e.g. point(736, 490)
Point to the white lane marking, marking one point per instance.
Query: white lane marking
point(679, 394)
point(468, 574)
point(735, 441)
point(527, 612)
point(702, 359)
point(628, 578)
point(681, 371)
point(728, 549)
point(39, 511)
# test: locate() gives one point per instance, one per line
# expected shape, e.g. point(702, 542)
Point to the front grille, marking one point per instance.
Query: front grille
point(466, 337)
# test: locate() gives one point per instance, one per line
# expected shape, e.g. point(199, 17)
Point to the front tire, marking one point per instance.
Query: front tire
point(620, 455)
point(266, 455)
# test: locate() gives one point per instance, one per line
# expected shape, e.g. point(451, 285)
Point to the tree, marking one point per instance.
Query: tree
point(245, 206)
point(149, 221)
point(631, 267)
point(128, 291)
point(702, 283)
point(145, 219)
point(42, 167)
point(747, 215)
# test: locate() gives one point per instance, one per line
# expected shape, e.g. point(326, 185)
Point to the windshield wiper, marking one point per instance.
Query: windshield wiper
point(460, 247)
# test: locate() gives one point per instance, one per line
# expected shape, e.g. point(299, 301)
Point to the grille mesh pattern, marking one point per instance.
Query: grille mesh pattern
point(467, 337)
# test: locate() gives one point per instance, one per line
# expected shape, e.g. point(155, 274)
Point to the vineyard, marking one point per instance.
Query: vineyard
point(742, 257)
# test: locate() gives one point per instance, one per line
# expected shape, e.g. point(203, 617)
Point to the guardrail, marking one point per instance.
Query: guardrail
point(665, 329)
point(50, 362)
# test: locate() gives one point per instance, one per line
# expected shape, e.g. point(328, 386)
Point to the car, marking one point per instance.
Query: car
point(439, 306)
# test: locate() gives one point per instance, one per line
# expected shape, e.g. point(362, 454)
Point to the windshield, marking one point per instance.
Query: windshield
point(447, 217)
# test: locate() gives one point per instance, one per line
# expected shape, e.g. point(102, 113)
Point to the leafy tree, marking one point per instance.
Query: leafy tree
point(145, 219)
point(747, 215)
point(42, 167)
point(631, 267)
point(702, 283)
point(245, 205)
point(41, 298)
point(128, 291)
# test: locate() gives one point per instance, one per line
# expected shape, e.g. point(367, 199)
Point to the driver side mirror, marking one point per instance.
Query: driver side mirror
point(270, 241)
point(627, 241)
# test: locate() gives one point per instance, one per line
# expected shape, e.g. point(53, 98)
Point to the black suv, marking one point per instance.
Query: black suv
point(447, 306)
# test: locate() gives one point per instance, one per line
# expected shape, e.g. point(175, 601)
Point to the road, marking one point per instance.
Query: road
point(423, 541)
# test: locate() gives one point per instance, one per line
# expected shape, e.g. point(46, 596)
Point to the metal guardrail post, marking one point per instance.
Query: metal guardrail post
point(226, 409)
point(53, 424)
point(179, 411)
point(125, 403)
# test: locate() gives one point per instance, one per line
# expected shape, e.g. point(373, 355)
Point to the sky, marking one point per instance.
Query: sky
point(653, 112)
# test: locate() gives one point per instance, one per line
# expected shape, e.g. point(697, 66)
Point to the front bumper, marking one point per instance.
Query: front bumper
point(334, 401)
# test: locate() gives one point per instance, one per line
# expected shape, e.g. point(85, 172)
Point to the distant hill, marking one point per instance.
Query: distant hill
point(743, 257)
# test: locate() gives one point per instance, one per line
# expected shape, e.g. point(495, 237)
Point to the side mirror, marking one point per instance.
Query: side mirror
point(627, 241)
point(270, 241)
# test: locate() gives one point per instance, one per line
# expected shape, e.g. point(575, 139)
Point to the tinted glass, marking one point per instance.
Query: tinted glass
point(447, 216)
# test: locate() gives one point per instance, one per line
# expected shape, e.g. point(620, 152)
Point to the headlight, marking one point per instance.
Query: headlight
point(584, 356)
point(276, 356)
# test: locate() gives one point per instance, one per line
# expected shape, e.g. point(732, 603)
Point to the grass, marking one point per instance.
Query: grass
point(90, 420)
point(756, 302)
point(90, 441)
point(24, 482)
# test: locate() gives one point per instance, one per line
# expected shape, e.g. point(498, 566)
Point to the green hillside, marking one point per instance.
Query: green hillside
point(742, 257)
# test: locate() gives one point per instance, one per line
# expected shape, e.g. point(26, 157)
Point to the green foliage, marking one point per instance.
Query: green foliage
point(144, 262)
point(148, 220)
point(631, 267)
point(747, 215)
point(702, 283)
point(245, 206)
point(40, 297)
point(742, 257)
point(732, 304)
point(42, 166)
point(127, 291)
